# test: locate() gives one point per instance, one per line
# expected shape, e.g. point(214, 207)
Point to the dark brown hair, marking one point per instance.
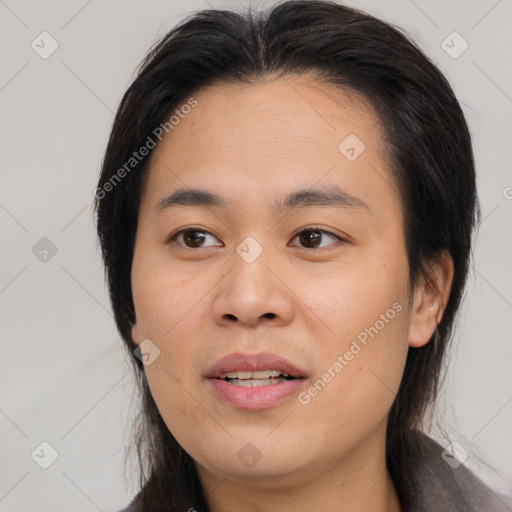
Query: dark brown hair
point(431, 161)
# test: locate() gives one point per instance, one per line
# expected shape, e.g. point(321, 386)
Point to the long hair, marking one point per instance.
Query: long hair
point(431, 159)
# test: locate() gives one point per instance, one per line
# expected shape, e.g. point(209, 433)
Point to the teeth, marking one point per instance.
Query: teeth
point(265, 374)
point(261, 374)
point(248, 383)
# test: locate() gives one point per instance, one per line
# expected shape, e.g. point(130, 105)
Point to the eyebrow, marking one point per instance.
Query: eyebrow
point(331, 196)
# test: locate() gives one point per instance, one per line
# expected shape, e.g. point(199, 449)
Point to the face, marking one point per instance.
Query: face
point(299, 266)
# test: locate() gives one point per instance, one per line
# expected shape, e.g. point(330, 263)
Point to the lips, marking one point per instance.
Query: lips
point(238, 362)
point(254, 382)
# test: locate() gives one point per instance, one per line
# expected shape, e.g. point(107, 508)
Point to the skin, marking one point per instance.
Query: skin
point(252, 143)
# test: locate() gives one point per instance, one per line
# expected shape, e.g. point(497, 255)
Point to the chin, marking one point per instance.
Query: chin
point(258, 456)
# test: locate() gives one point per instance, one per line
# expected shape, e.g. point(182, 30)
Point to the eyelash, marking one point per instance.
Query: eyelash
point(175, 235)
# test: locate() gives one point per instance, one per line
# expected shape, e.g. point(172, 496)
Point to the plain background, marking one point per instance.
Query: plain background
point(64, 377)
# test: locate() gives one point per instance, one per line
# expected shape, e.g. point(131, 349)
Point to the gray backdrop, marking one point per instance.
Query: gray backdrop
point(65, 380)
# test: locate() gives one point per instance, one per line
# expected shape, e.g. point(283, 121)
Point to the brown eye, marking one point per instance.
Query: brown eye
point(191, 238)
point(311, 238)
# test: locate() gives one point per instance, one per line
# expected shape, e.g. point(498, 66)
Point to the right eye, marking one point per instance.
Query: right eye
point(191, 237)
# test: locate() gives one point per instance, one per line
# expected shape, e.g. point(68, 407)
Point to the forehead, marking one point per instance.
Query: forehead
point(272, 138)
point(288, 112)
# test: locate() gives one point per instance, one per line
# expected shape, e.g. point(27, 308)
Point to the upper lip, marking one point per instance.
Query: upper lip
point(251, 363)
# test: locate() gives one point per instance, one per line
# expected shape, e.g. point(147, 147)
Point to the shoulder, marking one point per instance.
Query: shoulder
point(441, 484)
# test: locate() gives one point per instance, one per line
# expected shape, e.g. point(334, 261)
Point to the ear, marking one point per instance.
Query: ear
point(430, 298)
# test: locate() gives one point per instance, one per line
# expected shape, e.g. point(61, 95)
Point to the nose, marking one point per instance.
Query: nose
point(254, 293)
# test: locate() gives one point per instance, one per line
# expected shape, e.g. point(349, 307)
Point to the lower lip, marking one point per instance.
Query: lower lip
point(260, 397)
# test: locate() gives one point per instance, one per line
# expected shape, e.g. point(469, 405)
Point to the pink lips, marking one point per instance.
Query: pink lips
point(259, 397)
point(252, 363)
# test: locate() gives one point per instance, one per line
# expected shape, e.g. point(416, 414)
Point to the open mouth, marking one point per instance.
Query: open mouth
point(255, 381)
point(255, 378)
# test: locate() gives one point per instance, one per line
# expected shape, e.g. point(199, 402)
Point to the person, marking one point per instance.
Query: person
point(285, 211)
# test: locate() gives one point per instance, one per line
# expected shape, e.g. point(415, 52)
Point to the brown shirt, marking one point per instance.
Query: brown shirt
point(443, 487)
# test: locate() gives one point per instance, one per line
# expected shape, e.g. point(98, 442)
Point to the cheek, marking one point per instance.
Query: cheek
point(363, 356)
point(356, 389)
point(354, 294)
point(200, 431)
point(163, 297)
point(179, 412)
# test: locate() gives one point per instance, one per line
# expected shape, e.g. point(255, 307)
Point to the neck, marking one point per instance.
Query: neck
point(360, 482)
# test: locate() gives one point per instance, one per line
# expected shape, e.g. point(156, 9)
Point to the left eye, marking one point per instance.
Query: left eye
point(194, 238)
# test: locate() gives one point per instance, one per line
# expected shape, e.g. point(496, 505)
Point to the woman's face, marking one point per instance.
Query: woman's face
point(248, 279)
